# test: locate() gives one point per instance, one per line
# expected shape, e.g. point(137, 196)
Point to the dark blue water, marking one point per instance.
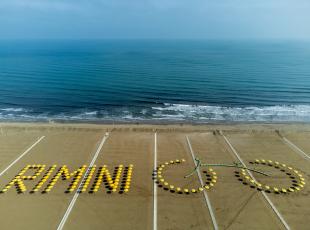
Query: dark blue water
point(194, 81)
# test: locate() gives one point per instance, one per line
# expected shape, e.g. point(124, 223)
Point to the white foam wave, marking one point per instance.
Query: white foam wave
point(222, 113)
point(93, 113)
point(13, 109)
point(171, 112)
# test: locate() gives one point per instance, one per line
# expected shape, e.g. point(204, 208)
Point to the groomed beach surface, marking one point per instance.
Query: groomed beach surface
point(151, 162)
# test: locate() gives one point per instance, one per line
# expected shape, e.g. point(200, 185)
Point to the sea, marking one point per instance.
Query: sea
point(154, 81)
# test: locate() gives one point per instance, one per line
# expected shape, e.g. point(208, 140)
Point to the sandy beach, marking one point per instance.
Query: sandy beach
point(231, 202)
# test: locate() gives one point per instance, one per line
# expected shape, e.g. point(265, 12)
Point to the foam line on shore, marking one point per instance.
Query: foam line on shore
point(164, 112)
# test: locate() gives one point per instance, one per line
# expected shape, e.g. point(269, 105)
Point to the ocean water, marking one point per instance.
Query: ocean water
point(155, 81)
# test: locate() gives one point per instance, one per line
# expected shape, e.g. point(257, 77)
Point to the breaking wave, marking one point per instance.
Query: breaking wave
point(202, 113)
point(167, 112)
point(13, 110)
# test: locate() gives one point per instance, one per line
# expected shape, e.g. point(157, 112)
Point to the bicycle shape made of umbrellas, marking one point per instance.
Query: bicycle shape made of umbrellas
point(244, 174)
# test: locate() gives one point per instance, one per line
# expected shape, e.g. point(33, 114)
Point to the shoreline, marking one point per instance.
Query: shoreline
point(182, 127)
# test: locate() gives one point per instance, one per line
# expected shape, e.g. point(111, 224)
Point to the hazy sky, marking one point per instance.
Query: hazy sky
point(198, 19)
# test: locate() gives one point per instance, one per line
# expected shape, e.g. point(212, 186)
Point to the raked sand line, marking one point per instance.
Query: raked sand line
point(155, 185)
point(76, 195)
point(21, 155)
point(281, 218)
point(295, 148)
point(214, 222)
